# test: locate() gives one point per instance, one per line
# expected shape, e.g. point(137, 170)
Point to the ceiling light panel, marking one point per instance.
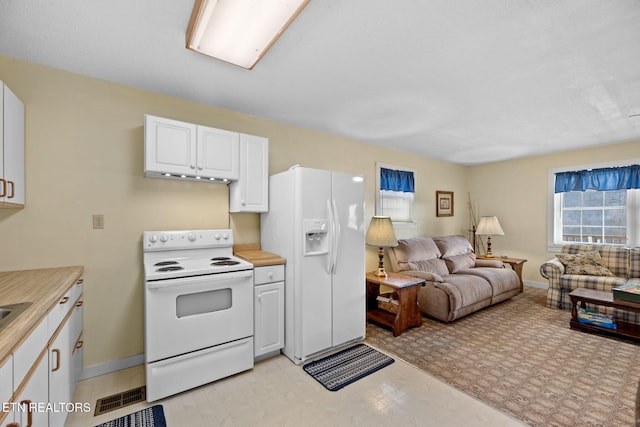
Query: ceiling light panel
point(239, 31)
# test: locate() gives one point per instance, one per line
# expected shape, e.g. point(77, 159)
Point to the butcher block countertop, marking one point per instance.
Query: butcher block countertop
point(252, 253)
point(43, 288)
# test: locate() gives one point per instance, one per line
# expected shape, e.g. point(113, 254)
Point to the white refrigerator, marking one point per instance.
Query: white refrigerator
point(316, 222)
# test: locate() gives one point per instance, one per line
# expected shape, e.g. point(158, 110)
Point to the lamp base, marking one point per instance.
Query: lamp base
point(380, 272)
point(489, 254)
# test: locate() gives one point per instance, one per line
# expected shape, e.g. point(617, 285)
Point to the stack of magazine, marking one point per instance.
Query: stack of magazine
point(629, 292)
point(591, 317)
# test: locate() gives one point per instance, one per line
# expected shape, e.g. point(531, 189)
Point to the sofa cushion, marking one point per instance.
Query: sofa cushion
point(569, 282)
point(458, 263)
point(453, 245)
point(470, 290)
point(501, 279)
point(577, 248)
point(616, 259)
point(634, 263)
point(587, 263)
point(456, 251)
point(420, 254)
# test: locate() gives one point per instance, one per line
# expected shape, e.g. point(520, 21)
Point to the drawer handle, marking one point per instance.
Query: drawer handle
point(64, 300)
point(80, 303)
point(79, 345)
point(12, 188)
point(4, 187)
point(29, 414)
point(57, 353)
point(80, 282)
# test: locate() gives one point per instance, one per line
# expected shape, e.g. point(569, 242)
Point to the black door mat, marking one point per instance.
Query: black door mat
point(347, 366)
point(120, 400)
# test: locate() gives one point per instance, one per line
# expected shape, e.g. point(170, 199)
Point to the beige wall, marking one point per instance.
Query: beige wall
point(84, 156)
point(516, 192)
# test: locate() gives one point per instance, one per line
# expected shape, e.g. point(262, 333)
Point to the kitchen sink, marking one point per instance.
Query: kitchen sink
point(9, 313)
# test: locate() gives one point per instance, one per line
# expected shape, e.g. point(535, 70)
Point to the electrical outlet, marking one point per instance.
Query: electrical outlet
point(98, 221)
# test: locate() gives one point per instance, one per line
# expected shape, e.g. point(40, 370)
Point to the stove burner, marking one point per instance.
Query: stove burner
point(225, 262)
point(220, 258)
point(170, 268)
point(161, 263)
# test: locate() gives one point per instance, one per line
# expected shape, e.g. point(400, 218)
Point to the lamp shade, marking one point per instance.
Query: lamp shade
point(489, 226)
point(380, 233)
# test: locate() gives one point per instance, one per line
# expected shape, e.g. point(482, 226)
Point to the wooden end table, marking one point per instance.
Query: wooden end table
point(624, 329)
point(515, 263)
point(406, 287)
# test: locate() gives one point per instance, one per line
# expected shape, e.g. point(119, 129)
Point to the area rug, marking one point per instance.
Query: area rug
point(521, 358)
point(148, 417)
point(347, 366)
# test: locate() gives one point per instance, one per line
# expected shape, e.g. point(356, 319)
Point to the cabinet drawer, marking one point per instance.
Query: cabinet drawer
point(28, 352)
point(66, 303)
point(268, 274)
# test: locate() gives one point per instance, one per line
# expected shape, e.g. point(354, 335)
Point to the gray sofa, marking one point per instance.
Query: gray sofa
point(456, 283)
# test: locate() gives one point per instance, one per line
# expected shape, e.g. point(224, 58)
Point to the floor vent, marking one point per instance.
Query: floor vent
point(117, 401)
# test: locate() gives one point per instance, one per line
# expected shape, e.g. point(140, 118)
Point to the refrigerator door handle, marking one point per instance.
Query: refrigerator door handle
point(331, 237)
point(338, 236)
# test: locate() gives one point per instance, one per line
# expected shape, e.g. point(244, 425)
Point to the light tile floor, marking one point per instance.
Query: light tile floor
point(276, 392)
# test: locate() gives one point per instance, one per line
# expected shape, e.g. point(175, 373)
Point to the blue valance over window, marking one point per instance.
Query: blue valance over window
point(394, 180)
point(619, 178)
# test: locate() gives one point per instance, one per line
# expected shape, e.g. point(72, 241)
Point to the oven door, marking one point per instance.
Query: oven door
point(193, 313)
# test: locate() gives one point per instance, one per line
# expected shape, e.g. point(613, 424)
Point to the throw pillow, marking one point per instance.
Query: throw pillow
point(588, 264)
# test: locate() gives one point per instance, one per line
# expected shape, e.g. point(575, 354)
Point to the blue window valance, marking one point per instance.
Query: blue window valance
point(395, 180)
point(604, 179)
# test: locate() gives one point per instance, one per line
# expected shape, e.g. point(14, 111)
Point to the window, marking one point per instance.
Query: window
point(595, 205)
point(396, 193)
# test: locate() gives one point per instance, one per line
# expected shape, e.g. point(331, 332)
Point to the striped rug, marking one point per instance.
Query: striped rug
point(347, 366)
point(148, 417)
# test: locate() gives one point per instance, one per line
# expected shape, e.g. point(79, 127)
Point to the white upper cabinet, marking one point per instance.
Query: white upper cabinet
point(218, 153)
point(12, 194)
point(251, 192)
point(175, 149)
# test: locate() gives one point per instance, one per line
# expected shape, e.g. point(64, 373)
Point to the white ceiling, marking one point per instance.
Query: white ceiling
point(466, 81)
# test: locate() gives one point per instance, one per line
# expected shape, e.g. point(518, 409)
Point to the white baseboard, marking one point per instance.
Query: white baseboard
point(536, 284)
point(112, 366)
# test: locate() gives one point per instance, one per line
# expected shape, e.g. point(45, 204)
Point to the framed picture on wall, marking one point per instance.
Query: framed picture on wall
point(444, 203)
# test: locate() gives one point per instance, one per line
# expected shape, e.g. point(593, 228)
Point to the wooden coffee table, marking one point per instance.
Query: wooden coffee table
point(406, 287)
point(624, 329)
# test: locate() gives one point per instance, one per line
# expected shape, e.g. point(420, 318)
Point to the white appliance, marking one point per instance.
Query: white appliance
point(316, 222)
point(198, 310)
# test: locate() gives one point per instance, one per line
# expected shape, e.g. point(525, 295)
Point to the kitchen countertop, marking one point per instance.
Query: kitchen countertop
point(252, 253)
point(43, 288)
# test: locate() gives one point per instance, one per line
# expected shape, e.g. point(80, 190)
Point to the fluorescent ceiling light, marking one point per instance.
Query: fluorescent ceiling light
point(239, 31)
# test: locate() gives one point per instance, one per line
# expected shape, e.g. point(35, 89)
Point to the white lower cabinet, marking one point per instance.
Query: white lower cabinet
point(42, 373)
point(33, 397)
point(268, 331)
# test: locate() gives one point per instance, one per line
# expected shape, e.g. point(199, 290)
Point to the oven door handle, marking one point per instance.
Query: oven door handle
point(197, 280)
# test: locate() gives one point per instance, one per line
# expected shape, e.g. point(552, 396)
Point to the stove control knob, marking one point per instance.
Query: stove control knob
point(225, 236)
point(153, 238)
point(164, 238)
point(217, 236)
point(192, 237)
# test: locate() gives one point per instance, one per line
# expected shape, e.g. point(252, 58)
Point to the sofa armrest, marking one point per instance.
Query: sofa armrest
point(426, 275)
point(552, 270)
point(495, 263)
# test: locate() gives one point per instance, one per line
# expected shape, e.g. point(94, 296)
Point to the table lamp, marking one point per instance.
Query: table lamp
point(380, 234)
point(488, 226)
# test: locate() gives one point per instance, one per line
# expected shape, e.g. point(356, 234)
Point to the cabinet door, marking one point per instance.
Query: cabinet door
point(12, 160)
point(60, 372)
point(170, 147)
point(218, 152)
point(35, 392)
point(6, 382)
point(269, 318)
point(251, 192)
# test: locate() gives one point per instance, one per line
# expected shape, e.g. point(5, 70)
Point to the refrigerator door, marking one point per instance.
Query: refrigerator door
point(348, 291)
point(312, 286)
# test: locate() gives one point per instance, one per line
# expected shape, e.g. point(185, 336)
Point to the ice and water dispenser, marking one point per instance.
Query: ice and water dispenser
point(316, 236)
